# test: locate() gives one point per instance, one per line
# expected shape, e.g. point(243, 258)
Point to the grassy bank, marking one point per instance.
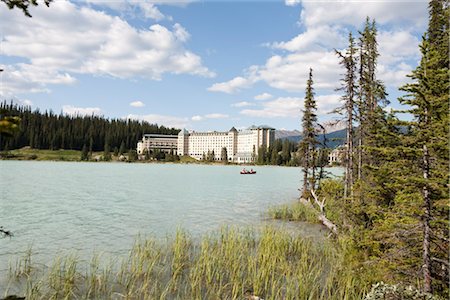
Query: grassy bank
point(28, 153)
point(37, 154)
point(294, 211)
point(223, 265)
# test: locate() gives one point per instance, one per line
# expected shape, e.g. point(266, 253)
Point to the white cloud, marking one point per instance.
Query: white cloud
point(242, 104)
point(137, 104)
point(216, 116)
point(22, 78)
point(263, 96)
point(67, 40)
point(317, 38)
point(81, 111)
point(210, 116)
point(146, 8)
point(327, 103)
point(350, 12)
point(25, 102)
point(326, 25)
point(292, 2)
point(290, 72)
point(395, 46)
point(150, 10)
point(394, 76)
point(283, 107)
point(291, 107)
point(232, 86)
point(181, 33)
point(167, 121)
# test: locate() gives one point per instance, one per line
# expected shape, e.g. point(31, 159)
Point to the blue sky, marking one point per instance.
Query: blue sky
point(203, 65)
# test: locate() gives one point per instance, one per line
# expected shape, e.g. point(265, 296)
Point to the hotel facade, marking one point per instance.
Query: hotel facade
point(161, 142)
point(241, 145)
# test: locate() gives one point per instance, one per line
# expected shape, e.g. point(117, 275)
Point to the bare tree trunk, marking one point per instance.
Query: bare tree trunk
point(320, 177)
point(313, 169)
point(305, 173)
point(360, 154)
point(361, 110)
point(321, 156)
point(349, 155)
point(325, 221)
point(426, 224)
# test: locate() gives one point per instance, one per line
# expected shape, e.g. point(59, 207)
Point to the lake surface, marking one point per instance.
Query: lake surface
point(62, 207)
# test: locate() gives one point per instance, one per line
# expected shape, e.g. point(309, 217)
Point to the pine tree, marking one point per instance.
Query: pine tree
point(309, 141)
point(132, 155)
point(286, 152)
point(429, 101)
point(84, 153)
point(122, 149)
point(106, 152)
point(349, 86)
point(262, 153)
point(371, 95)
point(224, 155)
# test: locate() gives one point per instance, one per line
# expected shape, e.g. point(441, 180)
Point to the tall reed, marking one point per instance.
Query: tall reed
point(220, 265)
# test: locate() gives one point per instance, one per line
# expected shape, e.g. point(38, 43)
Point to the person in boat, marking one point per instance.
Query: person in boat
point(251, 171)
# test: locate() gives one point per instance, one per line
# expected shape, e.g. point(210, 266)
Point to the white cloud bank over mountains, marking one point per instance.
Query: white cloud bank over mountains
point(58, 43)
point(290, 107)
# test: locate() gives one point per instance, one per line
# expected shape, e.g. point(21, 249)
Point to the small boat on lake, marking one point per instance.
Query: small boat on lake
point(245, 172)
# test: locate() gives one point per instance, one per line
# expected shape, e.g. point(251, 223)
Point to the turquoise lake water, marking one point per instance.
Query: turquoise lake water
point(64, 207)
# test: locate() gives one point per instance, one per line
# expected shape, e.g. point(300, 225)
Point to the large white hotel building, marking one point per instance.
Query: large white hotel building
point(242, 145)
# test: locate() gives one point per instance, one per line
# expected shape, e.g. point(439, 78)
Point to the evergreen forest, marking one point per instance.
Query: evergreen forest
point(47, 130)
point(388, 215)
point(392, 206)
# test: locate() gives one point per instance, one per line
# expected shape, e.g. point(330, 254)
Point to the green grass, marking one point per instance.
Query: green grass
point(295, 211)
point(187, 159)
point(221, 265)
point(37, 154)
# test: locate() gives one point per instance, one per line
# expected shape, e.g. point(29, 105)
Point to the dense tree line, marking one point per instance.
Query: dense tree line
point(284, 152)
point(47, 130)
point(394, 201)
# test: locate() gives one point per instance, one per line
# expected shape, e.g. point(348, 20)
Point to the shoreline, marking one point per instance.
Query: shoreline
point(66, 155)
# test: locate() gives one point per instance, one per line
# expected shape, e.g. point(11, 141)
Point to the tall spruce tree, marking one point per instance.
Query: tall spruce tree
point(349, 88)
point(428, 97)
point(371, 92)
point(309, 141)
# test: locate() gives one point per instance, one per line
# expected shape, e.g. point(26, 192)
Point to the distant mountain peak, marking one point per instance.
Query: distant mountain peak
point(336, 137)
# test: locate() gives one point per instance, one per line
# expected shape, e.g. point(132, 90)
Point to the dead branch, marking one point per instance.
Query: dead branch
point(325, 221)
